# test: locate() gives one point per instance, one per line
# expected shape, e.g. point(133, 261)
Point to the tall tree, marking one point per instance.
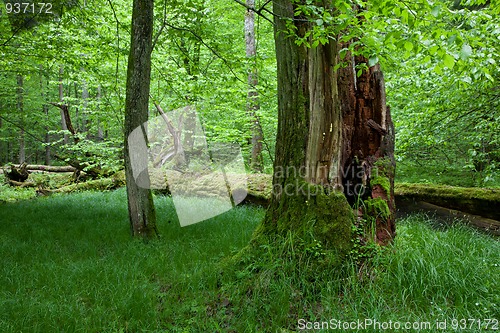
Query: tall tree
point(253, 105)
point(45, 110)
point(317, 138)
point(20, 109)
point(140, 200)
point(64, 125)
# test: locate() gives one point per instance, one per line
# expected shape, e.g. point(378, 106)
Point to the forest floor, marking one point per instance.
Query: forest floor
point(69, 264)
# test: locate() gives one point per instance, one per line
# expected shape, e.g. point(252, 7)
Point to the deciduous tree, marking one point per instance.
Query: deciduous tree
point(140, 200)
point(334, 134)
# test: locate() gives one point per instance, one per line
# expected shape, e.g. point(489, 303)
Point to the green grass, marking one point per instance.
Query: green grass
point(69, 265)
point(13, 194)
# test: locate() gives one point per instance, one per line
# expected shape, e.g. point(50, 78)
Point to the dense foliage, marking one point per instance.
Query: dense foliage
point(197, 60)
point(440, 59)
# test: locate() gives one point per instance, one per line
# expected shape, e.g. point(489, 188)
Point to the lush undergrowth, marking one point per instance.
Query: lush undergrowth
point(444, 174)
point(69, 265)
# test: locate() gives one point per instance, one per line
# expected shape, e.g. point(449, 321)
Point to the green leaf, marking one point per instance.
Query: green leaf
point(467, 79)
point(466, 52)
point(435, 11)
point(433, 50)
point(404, 16)
point(408, 46)
point(373, 61)
point(449, 61)
point(438, 70)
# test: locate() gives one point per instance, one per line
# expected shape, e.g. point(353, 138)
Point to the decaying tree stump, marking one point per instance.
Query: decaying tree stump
point(19, 174)
point(367, 162)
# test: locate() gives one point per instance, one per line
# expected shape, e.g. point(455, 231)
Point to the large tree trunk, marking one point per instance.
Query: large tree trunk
point(253, 105)
point(140, 201)
point(316, 140)
point(308, 147)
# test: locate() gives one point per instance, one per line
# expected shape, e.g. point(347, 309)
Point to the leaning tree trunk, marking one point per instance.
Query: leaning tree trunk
point(140, 200)
point(314, 134)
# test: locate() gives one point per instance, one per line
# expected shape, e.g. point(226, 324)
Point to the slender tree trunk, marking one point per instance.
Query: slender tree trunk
point(47, 136)
point(45, 110)
point(85, 98)
point(61, 101)
point(253, 105)
point(20, 109)
point(100, 132)
point(140, 201)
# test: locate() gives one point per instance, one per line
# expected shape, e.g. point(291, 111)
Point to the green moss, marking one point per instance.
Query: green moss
point(382, 172)
point(377, 207)
point(383, 182)
point(311, 213)
point(478, 201)
point(405, 189)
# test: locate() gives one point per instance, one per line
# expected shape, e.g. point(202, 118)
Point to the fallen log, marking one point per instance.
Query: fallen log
point(50, 168)
point(93, 171)
point(20, 184)
point(104, 184)
point(477, 206)
point(476, 201)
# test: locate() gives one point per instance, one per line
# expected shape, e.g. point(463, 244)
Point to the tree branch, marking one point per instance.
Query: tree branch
point(259, 11)
point(208, 47)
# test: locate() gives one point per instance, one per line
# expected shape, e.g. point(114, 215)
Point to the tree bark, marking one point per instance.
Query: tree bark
point(140, 201)
point(367, 160)
point(85, 97)
point(100, 131)
point(325, 125)
point(45, 109)
point(253, 105)
point(61, 101)
point(67, 120)
point(307, 148)
point(20, 109)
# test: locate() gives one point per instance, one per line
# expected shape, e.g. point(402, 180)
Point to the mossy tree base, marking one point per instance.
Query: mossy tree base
point(302, 242)
point(312, 212)
point(306, 233)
